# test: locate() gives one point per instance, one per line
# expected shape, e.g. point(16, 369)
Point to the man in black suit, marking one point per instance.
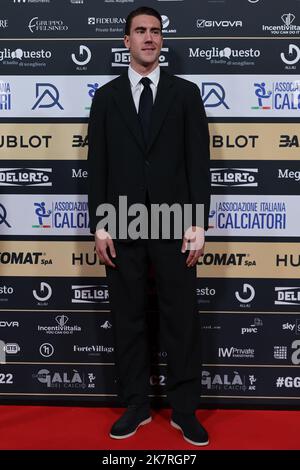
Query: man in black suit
point(148, 141)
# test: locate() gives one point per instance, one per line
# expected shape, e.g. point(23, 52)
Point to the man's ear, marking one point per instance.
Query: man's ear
point(126, 41)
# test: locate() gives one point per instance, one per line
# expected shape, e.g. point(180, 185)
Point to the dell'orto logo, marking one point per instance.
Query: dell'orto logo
point(234, 177)
point(248, 294)
point(287, 296)
point(121, 57)
point(213, 95)
point(47, 96)
point(25, 176)
point(44, 294)
point(293, 55)
point(90, 294)
point(84, 56)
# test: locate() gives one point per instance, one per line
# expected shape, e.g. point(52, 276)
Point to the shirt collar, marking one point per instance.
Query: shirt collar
point(135, 77)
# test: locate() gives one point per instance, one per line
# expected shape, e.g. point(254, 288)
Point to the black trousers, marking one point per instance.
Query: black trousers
point(179, 321)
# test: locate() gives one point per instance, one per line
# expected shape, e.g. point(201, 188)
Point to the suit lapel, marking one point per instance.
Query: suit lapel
point(163, 100)
point(124, 100)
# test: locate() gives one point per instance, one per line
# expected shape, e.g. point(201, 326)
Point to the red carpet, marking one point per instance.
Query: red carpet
point(75, 428)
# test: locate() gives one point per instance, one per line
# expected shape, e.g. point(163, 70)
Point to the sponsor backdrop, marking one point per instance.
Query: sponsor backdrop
point(56, 330)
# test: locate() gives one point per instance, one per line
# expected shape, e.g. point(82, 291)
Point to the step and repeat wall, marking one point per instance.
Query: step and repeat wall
point(56, 330)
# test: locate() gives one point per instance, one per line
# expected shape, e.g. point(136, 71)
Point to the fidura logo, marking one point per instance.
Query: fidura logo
point(90, 294)
point(62, 215)
point(25, 176)
point(280, 96)
point(234, 177)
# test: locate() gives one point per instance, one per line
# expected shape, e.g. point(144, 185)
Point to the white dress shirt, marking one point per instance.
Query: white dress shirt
point(137, 87)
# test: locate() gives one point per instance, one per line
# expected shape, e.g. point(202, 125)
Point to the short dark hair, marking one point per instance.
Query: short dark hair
point(141, 11)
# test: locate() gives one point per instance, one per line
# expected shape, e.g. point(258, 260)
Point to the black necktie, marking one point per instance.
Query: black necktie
point(145, 107)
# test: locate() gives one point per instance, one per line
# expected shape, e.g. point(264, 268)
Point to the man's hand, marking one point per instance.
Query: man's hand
point(194, 241)
point(103, 242)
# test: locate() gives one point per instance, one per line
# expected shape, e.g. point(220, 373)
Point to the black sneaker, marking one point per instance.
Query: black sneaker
point(193, 432)
point(134, 417)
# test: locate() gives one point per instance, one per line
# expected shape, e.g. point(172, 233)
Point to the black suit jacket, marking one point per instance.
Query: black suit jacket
point(172, 168)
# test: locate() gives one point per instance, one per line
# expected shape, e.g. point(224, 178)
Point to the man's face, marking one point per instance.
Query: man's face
point(144, 41)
